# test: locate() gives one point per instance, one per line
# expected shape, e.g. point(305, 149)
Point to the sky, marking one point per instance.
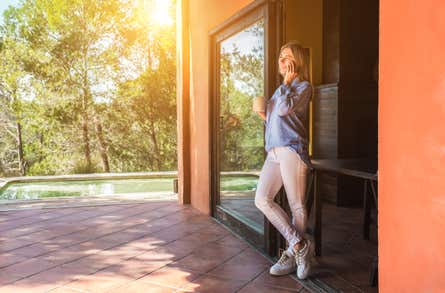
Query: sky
point(245, 41)
point(4, 5)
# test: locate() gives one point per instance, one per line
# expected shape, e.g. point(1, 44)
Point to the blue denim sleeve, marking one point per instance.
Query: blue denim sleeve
point(292, 99)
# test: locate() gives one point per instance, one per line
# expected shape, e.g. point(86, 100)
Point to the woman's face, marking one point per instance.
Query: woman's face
point(285, 58)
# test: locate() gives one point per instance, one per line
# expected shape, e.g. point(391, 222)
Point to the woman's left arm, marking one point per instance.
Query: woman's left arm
point(293, 99)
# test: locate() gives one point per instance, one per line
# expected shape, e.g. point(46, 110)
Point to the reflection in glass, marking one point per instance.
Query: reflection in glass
point(240, 129)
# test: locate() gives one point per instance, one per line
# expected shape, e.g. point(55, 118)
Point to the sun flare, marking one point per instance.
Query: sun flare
point(160, 13)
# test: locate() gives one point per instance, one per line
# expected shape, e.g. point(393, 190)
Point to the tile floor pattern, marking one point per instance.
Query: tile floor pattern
point(145, 247)
point(346, 257)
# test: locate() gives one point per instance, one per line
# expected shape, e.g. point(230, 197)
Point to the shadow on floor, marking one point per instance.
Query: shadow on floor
point(136, 247)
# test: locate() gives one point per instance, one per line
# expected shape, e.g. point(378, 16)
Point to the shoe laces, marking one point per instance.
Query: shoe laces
point(300, 259)
point(283, 258)
point(300, 255)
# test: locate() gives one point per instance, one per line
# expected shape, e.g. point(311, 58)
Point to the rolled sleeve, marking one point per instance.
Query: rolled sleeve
point(292, 99)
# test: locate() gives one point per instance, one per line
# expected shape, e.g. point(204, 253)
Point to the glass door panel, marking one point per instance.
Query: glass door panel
point(241, 131)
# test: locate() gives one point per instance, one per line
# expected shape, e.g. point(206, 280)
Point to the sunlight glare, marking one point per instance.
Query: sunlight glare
point(161, 14)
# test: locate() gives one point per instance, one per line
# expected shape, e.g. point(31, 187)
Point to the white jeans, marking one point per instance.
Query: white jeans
point(284, 166)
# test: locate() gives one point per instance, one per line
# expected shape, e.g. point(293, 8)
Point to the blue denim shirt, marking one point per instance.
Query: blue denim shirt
point(286, 112)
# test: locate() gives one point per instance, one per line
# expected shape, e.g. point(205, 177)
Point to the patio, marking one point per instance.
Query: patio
point(147, 246)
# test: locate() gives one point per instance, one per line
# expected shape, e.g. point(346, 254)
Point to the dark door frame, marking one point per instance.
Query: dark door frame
point(272, 13)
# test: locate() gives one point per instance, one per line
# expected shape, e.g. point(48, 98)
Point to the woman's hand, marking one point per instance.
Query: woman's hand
point(290, 72)
point(262, 114)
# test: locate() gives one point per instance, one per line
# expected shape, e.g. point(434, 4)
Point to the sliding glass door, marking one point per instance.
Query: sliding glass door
point(241, 143)
point(240, 54)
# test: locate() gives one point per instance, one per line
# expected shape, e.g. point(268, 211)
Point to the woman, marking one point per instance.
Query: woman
point(288, 160)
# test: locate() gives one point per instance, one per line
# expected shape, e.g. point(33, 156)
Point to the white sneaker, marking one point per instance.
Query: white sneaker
point(285, 265)
point(304, 260)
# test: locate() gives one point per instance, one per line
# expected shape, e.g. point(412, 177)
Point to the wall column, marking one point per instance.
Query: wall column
point(183, 99)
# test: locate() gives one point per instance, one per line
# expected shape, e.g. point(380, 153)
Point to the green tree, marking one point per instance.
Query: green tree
point(241, 79)
point(13, 83)
point(100, 84)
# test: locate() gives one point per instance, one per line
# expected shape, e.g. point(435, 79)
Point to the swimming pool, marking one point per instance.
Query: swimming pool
point(36, 190)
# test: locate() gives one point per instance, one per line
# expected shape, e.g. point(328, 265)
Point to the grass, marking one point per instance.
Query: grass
point(232, 183)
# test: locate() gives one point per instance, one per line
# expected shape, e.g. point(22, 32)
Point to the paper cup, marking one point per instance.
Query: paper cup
point(259, 104)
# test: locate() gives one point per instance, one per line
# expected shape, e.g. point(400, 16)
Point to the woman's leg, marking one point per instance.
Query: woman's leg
point(294, 173)
point(269, 184)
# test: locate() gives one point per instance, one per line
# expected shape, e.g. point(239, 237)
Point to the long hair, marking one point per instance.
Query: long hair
point(301, 58)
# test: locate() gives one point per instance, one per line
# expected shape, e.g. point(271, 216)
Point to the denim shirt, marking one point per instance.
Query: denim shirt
point(286, 112)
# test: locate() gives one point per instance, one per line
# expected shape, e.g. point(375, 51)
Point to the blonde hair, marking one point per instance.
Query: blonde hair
point(301, 57)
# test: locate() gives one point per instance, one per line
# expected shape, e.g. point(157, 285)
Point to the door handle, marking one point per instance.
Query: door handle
point(221, 123)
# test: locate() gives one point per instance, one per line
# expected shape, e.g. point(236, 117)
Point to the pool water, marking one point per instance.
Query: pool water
point(84, 188)
point(38, 190)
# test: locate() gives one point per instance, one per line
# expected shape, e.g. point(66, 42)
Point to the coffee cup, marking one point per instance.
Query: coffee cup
point(259, 104)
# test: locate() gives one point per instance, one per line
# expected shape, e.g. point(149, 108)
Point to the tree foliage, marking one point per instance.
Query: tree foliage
point(242, 78)
point(86, 86)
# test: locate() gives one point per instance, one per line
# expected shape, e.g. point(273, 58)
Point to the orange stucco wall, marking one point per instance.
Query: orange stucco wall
point(412, 146)
point(204, 15)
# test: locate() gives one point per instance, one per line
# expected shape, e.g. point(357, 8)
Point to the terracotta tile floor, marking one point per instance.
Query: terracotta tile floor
point(136, 247)
point(346, 257)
